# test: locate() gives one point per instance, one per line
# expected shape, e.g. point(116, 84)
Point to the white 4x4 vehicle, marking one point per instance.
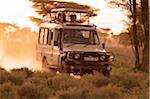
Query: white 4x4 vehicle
point(72, 47)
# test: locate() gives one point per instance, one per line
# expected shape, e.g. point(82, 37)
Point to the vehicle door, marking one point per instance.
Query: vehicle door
point(55, 47)
point(39, 47)
point(45, 44)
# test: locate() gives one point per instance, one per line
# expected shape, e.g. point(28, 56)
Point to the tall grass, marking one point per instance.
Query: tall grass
point(124, 83)
point(7, 91)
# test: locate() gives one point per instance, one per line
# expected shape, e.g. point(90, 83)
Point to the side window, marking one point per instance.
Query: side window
point(45, 36)
point(86, 34)
point(41, 36)
point(96, 40)
point(50, 37)
point(52, 33)
point(56, 38)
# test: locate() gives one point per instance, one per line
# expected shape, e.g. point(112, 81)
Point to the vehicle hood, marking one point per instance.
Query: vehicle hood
point(83, 48)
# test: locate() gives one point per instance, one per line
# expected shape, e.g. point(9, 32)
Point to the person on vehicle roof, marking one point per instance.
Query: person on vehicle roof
point(73, 18)
point(61, 17)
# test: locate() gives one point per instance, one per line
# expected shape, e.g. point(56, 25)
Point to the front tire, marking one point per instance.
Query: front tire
point(63, 67)
point(106, 70)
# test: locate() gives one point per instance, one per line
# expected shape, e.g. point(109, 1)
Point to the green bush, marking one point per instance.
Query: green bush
point(25, 71)
point(43, 84)
point(30, 91)
point(128, 81)
point(106, 92)
point(122, 84)
point(4, 77)
point(43, 75)
point(75, 93)
point(90, 92)
point(17, 78)
point(7, 91)
point(61, 82)
point(140, 93)
point(97, 79)
point(2, 69)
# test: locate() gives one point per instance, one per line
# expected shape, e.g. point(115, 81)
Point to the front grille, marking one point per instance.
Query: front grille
point(93, 55)
point(92, 58)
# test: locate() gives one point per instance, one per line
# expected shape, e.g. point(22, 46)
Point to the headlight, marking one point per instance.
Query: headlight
point(77, 56)
point(111, 58)
point(70, 55)
point(102, 58)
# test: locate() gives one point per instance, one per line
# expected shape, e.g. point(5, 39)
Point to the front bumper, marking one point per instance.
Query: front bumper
point(73, 65)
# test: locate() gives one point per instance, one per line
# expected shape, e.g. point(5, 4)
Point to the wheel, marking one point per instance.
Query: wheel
point(46, 68)
point(106, 70)
point(63, 67)
point(44, 63)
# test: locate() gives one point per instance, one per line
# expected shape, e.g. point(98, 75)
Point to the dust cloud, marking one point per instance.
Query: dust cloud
point(18, 48)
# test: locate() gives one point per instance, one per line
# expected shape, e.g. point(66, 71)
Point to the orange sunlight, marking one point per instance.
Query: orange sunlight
point(18, 11)
point(19, 51)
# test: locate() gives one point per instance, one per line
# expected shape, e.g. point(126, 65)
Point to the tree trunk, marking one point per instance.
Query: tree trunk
point(135, 40)
point(145, 19)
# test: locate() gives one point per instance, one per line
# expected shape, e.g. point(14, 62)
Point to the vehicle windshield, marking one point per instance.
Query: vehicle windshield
point(71, 36)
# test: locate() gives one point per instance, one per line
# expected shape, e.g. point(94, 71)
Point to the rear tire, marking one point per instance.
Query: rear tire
point(44, 63)
point(46, 68)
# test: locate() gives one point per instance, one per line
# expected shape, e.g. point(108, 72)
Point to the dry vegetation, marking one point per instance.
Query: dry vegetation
point(124, 83)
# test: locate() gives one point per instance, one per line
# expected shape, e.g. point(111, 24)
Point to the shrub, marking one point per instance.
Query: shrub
point(7, 91)
point(61, 82)
point(140, 93)
point(98, 80)
point(43, 75)
point(75, 93)
point(4, 77)
point(88, 92)
point(42, 84)
point(17, 78)
point(2, 69)
point(106, 92)
point(128, 81)
point(30, 91)
point(25, 71)
point(36, 80)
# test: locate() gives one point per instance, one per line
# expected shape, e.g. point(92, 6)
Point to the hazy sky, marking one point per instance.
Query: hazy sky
point(17, 11)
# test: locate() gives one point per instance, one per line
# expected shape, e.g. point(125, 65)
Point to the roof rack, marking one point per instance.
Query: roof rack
point(69, 10)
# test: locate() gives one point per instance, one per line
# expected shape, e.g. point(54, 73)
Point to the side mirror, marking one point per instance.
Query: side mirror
point(103, 45)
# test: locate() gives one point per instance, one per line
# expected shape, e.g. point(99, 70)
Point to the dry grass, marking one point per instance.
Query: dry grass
point(123, 83)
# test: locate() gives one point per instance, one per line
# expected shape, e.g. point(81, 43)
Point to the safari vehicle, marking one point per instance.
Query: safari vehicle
point(72, 46)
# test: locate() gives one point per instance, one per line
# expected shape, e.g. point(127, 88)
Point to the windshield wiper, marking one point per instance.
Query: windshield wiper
point(85, 45)
point(69, 45)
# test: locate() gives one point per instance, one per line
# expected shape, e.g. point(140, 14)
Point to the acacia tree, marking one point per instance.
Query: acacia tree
point(138, 29)
point(145, 21)
point(43, 8)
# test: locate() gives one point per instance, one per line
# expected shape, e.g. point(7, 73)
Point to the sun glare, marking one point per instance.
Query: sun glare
point(18, 11)
point(107, 17)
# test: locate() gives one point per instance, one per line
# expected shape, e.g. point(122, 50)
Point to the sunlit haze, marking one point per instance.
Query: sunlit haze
point(18, 48)
point(18, 11)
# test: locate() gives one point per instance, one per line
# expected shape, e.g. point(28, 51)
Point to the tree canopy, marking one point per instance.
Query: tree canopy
point(138, 29)
point(43, 7)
